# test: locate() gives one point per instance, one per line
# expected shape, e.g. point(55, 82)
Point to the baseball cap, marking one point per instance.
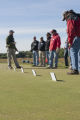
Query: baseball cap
point(53, 31)
point(12, 31)
point(64, 15)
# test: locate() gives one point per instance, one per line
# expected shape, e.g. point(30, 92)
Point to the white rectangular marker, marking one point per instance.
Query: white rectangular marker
point(22, 70)
point(53, 76)
point(34, 73)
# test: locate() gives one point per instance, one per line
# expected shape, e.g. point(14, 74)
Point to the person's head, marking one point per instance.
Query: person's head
point(41, 39)
point(11, 32)
point(53, 32)
point(67, 13)
point(34, 38)
point(48, 35)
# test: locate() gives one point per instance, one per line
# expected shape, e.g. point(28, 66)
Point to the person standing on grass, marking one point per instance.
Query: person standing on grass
point(41, 49)
point(48, 35)
point(54, 48)
point(11, 49)
point(73, 31)
point(34, 49)
point(66, 53)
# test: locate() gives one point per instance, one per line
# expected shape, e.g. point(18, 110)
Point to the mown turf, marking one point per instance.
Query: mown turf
point(25, 97)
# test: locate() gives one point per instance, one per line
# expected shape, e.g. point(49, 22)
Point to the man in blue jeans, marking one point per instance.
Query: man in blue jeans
point(34, 49)
point(54, 47)
point(73, 31)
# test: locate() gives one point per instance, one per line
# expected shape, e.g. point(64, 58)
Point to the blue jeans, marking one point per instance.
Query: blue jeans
point(51, 58)
point(47, 56)
point(35, 58)
point(56, 59)
point(75, 54)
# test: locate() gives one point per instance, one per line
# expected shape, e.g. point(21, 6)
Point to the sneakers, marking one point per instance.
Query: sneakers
point(73, 72)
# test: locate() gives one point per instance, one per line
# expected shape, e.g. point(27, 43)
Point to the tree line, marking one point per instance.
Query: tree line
point(28, 54)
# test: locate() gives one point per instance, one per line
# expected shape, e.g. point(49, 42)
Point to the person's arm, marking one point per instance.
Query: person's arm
point(7, 42)
point(58, 44)
point(32, 47)
point(70, 31)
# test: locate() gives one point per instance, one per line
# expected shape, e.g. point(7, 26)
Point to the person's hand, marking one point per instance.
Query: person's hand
point(14, 43)
point(57, 50)
point(70, 45)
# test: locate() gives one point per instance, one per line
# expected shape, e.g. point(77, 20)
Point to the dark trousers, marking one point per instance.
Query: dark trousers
point(66, 57)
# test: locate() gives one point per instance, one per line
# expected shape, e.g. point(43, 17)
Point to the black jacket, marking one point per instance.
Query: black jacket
point(34, 45)
point(41, 46)
point(47, 44)
point(10, 43)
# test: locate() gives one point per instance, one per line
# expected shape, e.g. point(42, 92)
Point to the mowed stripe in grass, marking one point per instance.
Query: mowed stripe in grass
point(25, 97)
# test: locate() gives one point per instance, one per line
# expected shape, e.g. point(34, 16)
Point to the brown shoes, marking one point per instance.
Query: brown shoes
point(73, 72)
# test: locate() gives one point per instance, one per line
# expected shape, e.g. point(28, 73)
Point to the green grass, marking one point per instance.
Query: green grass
point(25, 97)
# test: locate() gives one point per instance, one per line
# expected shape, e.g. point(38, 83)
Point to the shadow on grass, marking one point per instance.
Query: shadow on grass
point(39, 75)
point(26, 72)
point(60, 81)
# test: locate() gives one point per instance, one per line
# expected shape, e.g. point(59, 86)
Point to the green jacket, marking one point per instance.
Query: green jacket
point(10, 43)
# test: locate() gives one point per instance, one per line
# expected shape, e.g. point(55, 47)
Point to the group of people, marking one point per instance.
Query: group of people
point(45, 51)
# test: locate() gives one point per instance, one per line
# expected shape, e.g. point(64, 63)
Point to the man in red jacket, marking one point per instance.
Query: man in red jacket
point(73, 31)
point(55, 43)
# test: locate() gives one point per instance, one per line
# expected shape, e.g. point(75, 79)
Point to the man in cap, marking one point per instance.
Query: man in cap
point(73, 31)
point(11, 49)
point(54, 48)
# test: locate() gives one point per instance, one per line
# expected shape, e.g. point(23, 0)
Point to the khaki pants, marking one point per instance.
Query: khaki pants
point(10, 55)
point(42, 58)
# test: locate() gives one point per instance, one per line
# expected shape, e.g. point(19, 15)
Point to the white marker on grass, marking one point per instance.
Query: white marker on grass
point(53, 76)
point(34, 73)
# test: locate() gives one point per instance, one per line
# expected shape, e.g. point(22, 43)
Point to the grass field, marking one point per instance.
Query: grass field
point(25, 97)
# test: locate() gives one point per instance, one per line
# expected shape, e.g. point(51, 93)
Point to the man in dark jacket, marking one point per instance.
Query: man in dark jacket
point(41, 48)
point(73, 31)
point(11, 49)
point(34, 49)
point(47, 44)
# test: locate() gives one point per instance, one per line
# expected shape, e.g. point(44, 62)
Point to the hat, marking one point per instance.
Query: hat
point(64, 15)
point(53, 31)
point(12, 31)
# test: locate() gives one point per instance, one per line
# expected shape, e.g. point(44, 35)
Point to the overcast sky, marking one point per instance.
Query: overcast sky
point(30, 18)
